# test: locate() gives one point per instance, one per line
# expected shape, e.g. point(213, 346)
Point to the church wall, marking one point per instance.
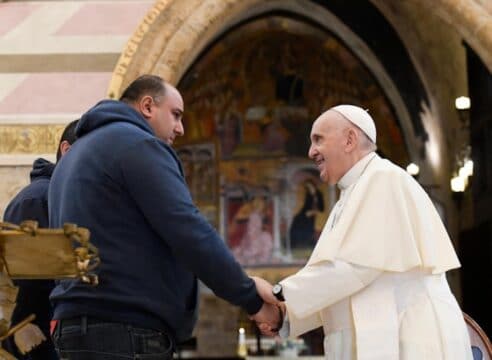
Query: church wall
point(437, 51)
point(437, 54)
point(471, 18)
point(56, 60)
point(167, 41)
point(13, 178)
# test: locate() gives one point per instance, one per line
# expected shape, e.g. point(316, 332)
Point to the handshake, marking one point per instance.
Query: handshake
point(270, 318)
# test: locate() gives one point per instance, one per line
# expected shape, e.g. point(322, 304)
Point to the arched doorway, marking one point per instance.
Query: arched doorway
point(250, 100)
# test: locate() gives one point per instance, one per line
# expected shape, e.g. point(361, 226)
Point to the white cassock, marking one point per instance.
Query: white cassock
point(376, 279)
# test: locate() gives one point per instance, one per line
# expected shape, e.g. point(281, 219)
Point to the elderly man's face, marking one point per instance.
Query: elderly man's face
point(328, 141)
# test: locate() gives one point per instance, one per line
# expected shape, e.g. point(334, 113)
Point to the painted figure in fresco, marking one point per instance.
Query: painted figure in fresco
point(302, 230)
point(186, 157)
point(199, 171)
point(230, 130)
point(275, 137)
point(256, 244)
point(204, 176)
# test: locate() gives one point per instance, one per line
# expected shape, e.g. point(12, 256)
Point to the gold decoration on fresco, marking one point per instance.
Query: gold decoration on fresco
point(35, 139)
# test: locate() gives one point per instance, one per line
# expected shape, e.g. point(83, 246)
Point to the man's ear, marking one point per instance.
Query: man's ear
point(352, 139)
point(64, 147)
point(145, 106)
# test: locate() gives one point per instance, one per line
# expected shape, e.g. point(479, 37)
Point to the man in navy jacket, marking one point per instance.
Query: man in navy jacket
point(31, 203)
point(124, 182)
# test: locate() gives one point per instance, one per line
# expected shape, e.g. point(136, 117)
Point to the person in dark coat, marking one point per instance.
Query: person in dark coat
point(124, 182)
point(31, 203)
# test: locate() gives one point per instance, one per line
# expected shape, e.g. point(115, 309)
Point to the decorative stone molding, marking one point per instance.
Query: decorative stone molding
point(9, 160)
point(35, 139)
point(37, 119)
point(126, 59)
point(172, 34)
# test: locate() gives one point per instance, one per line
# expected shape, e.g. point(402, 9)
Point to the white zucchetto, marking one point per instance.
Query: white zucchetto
point(359, 117)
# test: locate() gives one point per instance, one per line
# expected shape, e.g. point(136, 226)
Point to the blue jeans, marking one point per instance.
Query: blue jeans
point(91, 339)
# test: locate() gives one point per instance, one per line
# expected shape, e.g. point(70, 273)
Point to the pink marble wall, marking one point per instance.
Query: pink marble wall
point(49, 93)
point(12, 14)
point(105, 19)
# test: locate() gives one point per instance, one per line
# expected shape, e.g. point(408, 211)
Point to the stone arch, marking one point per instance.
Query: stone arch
point(472, 19)
point(174, 33)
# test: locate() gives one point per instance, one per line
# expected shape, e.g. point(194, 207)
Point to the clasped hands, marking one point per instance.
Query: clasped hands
point(270, 317)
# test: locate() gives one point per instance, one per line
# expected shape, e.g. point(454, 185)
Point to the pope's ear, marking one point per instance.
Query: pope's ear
point(352, 139)
point(145, 106)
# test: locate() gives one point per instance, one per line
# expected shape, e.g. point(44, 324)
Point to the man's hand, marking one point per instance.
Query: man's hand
point(264, 289)
point(268, 319)
point(267, 329)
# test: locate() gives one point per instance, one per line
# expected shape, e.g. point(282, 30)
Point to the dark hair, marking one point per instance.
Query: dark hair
point(151, 85)
point(68, 135)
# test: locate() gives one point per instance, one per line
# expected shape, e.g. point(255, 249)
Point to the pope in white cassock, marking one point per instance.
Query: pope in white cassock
point(376, 278)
